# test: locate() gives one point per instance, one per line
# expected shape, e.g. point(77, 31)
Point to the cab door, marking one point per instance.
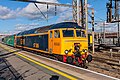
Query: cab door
point(56, 42)
point(50, 42)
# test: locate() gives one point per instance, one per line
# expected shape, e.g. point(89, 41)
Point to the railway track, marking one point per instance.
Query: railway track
point(112, 69)
point(107, 61)
point(104, 63)
point(108, 53)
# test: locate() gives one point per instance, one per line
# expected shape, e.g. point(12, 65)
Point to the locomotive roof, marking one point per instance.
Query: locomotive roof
point(66, 25)
point(50, 27)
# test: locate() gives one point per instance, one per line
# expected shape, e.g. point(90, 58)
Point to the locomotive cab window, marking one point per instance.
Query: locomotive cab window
point(57, 34)
point(78, 33)
point(83, 34)
point(68, 33)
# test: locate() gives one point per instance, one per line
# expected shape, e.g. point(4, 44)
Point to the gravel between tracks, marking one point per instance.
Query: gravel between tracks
point(105, 68)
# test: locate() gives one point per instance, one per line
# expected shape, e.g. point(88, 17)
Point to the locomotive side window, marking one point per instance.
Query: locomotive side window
point(50, 34)
point(68, 33)
point(57, 34)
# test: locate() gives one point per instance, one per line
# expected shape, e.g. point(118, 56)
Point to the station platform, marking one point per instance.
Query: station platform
point(29, 66)
point(13, 67)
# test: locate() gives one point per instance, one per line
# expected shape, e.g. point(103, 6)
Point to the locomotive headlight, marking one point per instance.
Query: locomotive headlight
point(84, 50)
point(66, 51)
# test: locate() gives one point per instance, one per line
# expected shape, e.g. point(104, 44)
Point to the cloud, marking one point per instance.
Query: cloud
point(23, 27)
point(6, 33)
point(65, 16)
point(6, 13)
point(31, 11)
point(19, 28)
point(89, 5)
point(109, 27)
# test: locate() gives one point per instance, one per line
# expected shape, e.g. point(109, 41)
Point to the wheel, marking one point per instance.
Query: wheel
point(69, 60)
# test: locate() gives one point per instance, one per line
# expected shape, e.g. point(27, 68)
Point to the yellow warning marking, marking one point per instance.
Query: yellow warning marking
point(40, 64)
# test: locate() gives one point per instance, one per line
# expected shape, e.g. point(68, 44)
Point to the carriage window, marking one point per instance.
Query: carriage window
point(68, 33)
point(78, 33)
point(57, 34)
point(50, 34)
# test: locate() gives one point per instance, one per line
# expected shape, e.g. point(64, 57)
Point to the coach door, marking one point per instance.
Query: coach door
point(51, 42)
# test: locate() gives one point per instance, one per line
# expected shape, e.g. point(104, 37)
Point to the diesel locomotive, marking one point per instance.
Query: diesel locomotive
point(67, 41)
